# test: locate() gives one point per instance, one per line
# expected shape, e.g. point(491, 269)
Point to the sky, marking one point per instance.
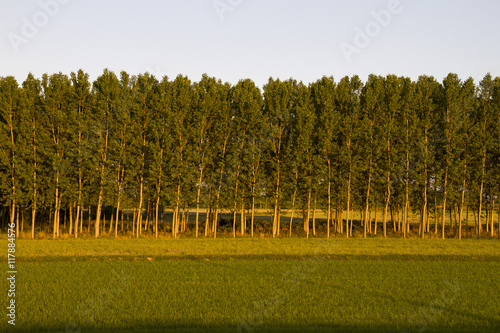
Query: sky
point(256, 39)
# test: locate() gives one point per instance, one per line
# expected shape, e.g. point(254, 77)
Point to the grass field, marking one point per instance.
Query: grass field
point(256, 285)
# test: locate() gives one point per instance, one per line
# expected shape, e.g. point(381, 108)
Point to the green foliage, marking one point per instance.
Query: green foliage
point(140, 143)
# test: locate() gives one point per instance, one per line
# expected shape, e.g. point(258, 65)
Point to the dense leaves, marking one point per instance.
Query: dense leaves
point(78, 154)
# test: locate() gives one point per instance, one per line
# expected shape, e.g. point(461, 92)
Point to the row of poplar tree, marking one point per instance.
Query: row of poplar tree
point(135, 143)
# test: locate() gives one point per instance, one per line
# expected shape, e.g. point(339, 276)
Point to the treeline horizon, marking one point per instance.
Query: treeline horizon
point(147, 145)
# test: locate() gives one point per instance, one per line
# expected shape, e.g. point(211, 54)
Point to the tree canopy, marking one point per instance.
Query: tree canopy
point(75, 153)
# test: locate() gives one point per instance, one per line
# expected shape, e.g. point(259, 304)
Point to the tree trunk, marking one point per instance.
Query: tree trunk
point(198, 195)
point(117, 212)
point(492, 229)
point(461, 210)
point(293, 209)
point(424, 210)
point(207, 221)
point(33, 212)
point(56, 211)
point(306, 223)
point(276, 200)
point(445, 193)
point(242, 214)
point(328, 217)
point(386, 205)
point(253, 209)
point(314, 215)
point(479, 228)
point(33, 207)
point(367, 203)
point(348, 203)
point(70, 218)
point(99, 207)
point(435, 215)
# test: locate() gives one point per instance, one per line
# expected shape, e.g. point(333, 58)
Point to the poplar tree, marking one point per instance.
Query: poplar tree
point(205, 106)
point(161, 145)
point(33, 143)
point(328, 132)
point(246, 102)
point(483, 116)
point(467, 103)
point(56, 90)
point(106, 90)
point(374, 112)
point(348, 104)
point(407, 132)
point(81, 107)
point(302, 148)
point(142, 115)
point(450, 119)
point(426, 105)
point(278, 104)
point(391, 109)
point(10, 110)
point(222, 134)
point(182, 97)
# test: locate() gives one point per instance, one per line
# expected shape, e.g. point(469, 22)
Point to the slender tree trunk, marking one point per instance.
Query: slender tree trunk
point(77, 219)
point(34, 206)
point(33, 212)
point(56, 212)
point(479, 228)
point(253, 209)
point(492, 229)
point(367, 203)
point(328, 217)
point(219, 187)
point(198, 195)
point(445, 194)
point(17, 220)
point(101, 190)
point(306, 223)
point(242, 214)
point(424, 210)
point(435, 215)
point(88, 226)
point(293, 207)
point(117, 213)
point(498, 220)
point(276, 200)
point(461, 210)
point(314, 214)
point(99, 206)
point(386, 205)
point(348, 203)
point(70, 218)
point(407, 196)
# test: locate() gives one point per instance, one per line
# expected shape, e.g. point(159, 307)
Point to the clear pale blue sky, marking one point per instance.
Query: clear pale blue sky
point(255, 39)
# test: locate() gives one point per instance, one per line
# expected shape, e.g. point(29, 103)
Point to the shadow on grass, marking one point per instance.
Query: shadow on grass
point(207, 257)
point(191, 327)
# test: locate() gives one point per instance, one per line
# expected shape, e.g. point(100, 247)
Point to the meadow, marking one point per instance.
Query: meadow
point(257, 285)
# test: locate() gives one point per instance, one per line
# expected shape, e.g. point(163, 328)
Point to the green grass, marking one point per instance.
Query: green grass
point(257, 248)
point(259, 285)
